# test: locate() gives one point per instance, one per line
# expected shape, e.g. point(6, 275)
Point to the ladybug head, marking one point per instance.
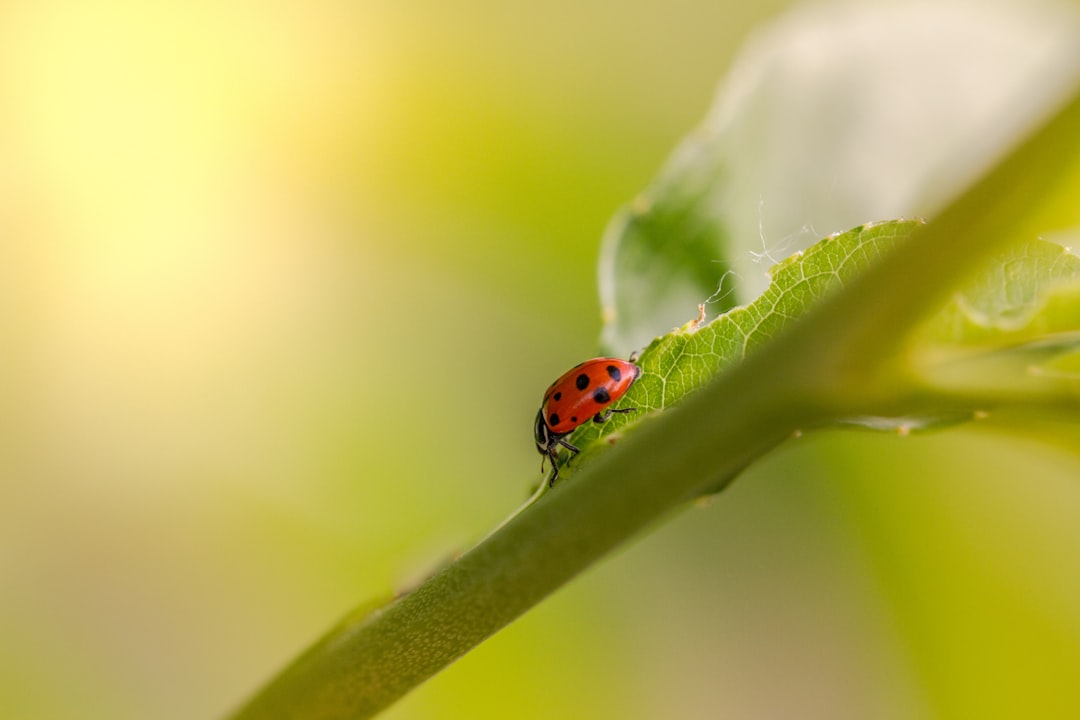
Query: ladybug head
point(542, 434)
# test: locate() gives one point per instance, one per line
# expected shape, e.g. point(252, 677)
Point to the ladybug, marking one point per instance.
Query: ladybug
point(585, 391)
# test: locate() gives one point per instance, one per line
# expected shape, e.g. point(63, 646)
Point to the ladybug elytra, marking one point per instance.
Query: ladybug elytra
point(583, 392)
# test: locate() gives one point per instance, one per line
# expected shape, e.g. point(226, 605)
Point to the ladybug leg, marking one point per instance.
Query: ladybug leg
point(603, 417)
point(573, 450)
point(552, 452)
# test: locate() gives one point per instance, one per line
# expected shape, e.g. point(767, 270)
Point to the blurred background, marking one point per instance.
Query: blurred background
point(281, 285)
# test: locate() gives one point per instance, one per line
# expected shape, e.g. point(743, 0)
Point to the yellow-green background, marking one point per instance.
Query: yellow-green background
point(281, 284)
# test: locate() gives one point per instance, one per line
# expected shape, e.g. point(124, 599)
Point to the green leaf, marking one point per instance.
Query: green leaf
point(1022, 309)
point(1009, 337)
point(683, 361)
point(830, 117)
point(1026, 292)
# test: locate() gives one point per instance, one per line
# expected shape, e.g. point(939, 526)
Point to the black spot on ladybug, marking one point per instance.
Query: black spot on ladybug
point(573, 419)
point(553, 420)
point(558, 396)
point(582, 381)
point(601, 396)
point(614, 373)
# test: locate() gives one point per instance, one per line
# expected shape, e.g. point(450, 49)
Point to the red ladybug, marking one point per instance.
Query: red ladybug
point(584, 392)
